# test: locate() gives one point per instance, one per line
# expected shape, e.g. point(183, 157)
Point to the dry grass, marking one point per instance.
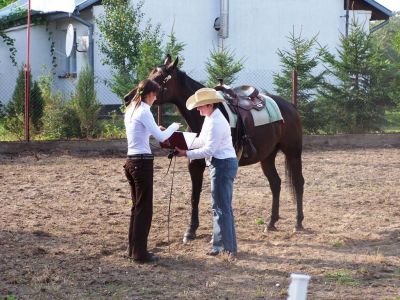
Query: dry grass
point(63, 227)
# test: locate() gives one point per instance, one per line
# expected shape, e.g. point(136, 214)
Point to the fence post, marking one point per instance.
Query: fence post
point(26, 114)
point(294, 88)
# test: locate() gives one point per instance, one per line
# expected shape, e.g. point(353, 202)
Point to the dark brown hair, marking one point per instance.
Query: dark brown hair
point(144, 88)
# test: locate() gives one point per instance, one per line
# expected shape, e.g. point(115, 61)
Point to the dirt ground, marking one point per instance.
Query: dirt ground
point(64, 220)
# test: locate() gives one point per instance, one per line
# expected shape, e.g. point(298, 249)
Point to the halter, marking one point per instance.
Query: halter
point(164, 81)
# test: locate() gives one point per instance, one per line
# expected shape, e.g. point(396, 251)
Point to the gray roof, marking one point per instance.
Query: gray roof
point(380, 8)
point(23, 4)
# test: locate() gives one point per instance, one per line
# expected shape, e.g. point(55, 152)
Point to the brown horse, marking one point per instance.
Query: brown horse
point(268, 139)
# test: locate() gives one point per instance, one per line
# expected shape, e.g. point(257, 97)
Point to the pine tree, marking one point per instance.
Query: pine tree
point(356, 98)
point(303, 58)
point(174, 48)
point(15, 109)
point(36, 105)
point(222, 65)
point(85, 103)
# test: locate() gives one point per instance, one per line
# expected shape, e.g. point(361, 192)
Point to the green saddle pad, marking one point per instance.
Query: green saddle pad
point(270, 114)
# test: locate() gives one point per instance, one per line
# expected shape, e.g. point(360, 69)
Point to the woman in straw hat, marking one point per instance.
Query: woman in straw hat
point(140, 124)
point(215, 144)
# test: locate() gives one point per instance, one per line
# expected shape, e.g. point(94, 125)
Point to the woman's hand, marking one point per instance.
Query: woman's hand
point(162, 128)
point(180, 152)
point(175, 125)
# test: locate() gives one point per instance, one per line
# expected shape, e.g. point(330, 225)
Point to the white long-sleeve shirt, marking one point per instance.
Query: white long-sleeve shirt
point(215, 139)
point(139, 125)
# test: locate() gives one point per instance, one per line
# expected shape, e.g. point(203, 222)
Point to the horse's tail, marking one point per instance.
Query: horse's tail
point(290, 179)
point(293, 170)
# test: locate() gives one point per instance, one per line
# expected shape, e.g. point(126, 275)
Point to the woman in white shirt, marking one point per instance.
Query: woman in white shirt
point(215, 144)
point(140, 124)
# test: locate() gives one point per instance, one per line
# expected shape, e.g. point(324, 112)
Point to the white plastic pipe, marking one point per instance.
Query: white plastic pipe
point(298, 286)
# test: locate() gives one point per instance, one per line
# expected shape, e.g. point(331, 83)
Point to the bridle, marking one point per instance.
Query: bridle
point(165, 78)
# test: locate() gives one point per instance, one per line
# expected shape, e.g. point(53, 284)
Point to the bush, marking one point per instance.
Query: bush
point(36, 107)
point(85, 104)
point(60, 120)
point(2, 112)
point(114, 127)
point(16, 107)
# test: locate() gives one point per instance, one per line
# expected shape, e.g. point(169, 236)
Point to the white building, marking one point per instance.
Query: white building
point(256, 29)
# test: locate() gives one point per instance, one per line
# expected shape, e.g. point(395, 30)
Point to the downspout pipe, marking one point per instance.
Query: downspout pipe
point(347, 17)
point(379, 26)
point(91, 43)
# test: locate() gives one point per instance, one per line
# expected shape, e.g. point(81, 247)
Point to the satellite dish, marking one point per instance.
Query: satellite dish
point(69, 40)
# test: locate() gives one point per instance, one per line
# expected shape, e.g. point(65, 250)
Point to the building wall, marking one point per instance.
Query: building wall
point(257, 29)
point(40, 55)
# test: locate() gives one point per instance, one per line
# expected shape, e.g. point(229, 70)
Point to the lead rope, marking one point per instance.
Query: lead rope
point(170, 197)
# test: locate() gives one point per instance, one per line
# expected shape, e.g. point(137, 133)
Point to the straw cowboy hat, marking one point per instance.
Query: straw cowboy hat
point(202, 97)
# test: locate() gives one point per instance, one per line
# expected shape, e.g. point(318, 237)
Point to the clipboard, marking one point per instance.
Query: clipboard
point(180, 139)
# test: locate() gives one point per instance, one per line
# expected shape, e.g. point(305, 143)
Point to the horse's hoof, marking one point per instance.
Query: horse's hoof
point(189, 236)
point(299, 228)
point(271, 228)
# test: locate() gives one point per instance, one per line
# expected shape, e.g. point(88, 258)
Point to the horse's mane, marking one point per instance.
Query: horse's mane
point(187, 81)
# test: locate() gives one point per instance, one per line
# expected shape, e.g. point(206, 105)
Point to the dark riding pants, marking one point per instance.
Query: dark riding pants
point(140, 176)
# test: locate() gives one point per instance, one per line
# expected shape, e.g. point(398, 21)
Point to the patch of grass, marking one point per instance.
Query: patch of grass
point(397, 271)
point(338, 244)
point(10, 297)
point(342, 277)
point(260, 221)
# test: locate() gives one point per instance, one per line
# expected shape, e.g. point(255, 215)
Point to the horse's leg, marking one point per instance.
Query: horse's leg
point(294, 169)
point(269, 169)
point(196, 170)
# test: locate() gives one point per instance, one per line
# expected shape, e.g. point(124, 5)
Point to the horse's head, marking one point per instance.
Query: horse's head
point(166, 76)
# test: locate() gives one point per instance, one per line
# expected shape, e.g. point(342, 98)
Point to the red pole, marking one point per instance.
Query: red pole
point(294, 88)
point(27, 74)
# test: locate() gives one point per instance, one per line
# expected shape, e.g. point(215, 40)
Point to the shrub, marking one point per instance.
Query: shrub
point(223, 65)
point(85, 104)
point(60, 119)
point(16, 107)
point(2, 112)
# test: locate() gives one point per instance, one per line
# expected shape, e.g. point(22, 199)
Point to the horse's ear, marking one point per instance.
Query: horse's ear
point(128, 97)
point(167, 60)
point(175, 62)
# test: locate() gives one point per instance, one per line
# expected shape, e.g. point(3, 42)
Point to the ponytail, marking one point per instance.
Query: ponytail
point(144, 88)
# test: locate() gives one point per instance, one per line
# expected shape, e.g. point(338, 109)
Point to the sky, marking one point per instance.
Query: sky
point(393, 5)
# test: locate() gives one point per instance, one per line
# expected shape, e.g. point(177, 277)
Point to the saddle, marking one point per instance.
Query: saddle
point(241, 101)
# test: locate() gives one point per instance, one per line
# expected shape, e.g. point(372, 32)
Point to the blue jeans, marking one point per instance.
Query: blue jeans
point(223, 173)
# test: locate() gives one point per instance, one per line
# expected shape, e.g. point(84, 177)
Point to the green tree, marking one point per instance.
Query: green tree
point(85, 103)
point(2, 112)
point(120, 37)
point(36, 105)
point(355, 99)
point(302, 57)
point(150, 51)
point(174, 48)
point(4, 3)
point(127, 48)
point(15, 109)
point(222, 65)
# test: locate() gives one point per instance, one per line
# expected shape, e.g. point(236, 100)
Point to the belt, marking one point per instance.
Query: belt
point(140, 156)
